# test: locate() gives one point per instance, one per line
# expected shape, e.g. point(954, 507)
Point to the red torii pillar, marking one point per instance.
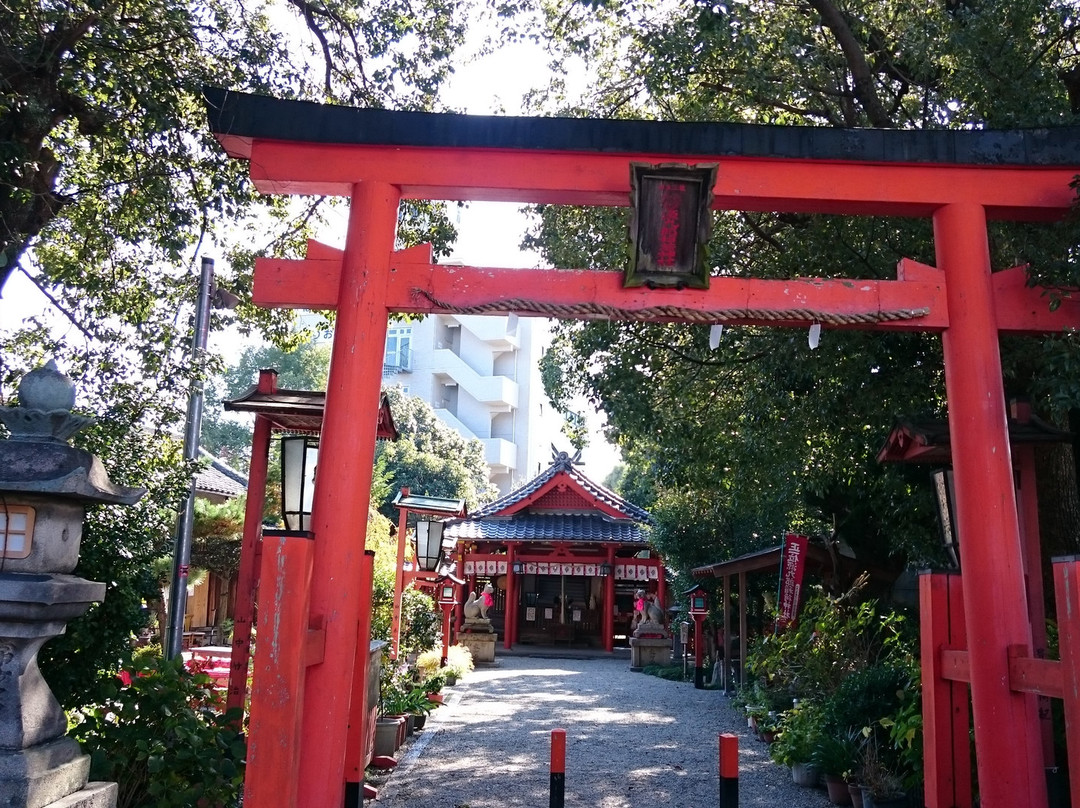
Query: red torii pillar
point(982, 464)
point(340, 511)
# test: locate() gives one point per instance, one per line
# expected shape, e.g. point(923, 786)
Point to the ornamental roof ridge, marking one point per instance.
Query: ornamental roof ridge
point(563, 464)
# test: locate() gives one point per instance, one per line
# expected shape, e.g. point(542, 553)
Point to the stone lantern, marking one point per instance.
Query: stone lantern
point(45, 485)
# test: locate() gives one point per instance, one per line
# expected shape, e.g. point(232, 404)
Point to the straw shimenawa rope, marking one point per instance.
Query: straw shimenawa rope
point(578, 311)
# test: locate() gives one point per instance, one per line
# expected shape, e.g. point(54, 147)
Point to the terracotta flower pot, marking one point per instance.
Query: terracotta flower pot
point(837, 790)
point(856, 795)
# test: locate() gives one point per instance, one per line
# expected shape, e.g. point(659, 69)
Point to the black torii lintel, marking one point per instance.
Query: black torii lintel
point(243, 115)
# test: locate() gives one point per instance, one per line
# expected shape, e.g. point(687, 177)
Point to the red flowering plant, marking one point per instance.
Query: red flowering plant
point(159, 731)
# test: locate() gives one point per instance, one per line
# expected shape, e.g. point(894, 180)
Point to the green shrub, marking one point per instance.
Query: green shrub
point(800, 730)
point(420, 625)
point(672, 673)
point(160, 735)
point(459, 660)
point(865, 697)
point(837, 754)
point(833, 638)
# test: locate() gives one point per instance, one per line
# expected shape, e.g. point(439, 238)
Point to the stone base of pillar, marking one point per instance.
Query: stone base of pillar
point(43, 774)
point(95, 795)
point(481, 646)
point(646, 651)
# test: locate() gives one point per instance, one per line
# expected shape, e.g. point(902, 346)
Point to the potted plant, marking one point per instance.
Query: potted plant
point(835, 757)
point(417, 705)
point(799, 731)
point(769, 728)
point(433, 686)
point(882, 786)
point(756, 714)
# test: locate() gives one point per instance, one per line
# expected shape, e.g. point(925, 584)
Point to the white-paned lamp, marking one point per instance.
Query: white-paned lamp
point(299, 455)
point(429, 550)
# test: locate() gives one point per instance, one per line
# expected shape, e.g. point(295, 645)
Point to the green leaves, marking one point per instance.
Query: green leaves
point(771, 435)
point(163, 738)
point(430, 458)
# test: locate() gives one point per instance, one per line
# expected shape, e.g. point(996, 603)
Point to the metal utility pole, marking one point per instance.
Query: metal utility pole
point(182, 547)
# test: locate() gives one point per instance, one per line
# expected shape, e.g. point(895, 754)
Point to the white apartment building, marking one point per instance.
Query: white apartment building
point(482, 376)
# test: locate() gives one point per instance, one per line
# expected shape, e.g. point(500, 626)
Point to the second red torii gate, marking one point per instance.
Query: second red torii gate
point(960, 180)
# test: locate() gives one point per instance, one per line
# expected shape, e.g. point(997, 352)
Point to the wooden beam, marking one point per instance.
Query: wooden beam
point(414, 286)
point(954, 665)
point(1032, 675)
point(603, 178)
point(425, 288)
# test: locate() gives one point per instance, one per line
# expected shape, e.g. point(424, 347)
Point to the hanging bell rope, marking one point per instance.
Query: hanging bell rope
point(591, 311)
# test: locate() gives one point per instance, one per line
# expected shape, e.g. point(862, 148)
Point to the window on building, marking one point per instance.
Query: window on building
point(397, 356)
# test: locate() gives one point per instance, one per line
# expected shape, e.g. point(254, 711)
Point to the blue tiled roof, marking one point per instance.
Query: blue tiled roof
point(564, 464)
point(546, 527)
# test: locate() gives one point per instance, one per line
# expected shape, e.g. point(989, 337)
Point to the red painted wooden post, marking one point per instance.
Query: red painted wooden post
point(459, 591)
point(510, 610)
point(247, 575)
point(661, 587)
point(556, 798)
point(277, 697)
point(360, 742)
point(1067, 589)
point(1010, 763)
point(946, 754)
point(729, 770)
point(1028, 503)
point(339, 516)
point(609, 601)
point(399, 578)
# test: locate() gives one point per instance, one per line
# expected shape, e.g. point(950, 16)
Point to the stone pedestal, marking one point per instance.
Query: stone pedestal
point(481, 646)
point(38, 764)
point(95, 795)
point(645, 651)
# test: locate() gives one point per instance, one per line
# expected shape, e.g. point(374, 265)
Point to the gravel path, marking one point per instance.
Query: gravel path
point(632, 741)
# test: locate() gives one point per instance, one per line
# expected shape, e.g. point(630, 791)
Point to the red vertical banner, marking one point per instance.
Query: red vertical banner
point(792, 564)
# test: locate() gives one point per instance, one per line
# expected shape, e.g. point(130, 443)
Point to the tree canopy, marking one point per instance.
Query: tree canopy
point(304, 367)
point(765, 434)
point(111, 189)
point(430, 458)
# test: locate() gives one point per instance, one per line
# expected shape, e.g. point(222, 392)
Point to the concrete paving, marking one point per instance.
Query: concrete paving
point(633, 741)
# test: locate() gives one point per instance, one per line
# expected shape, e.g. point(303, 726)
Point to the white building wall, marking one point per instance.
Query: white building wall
point(482, 376)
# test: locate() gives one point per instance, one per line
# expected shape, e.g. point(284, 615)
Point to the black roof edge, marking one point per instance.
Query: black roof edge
point(247, 115)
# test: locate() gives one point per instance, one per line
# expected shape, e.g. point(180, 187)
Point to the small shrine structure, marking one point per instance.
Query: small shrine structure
point(564, 555)
point(277, 412)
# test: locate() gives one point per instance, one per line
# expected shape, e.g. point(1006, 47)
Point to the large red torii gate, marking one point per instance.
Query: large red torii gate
point(302, 748)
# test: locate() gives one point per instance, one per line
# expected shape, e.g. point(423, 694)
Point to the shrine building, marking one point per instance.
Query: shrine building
point(564, 555)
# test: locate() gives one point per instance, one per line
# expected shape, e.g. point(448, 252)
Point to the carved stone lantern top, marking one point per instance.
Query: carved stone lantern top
point(37, 458)
point(46, 397)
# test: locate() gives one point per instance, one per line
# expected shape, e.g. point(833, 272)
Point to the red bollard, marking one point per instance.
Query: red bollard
point(558, 768)
point(729, 770)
